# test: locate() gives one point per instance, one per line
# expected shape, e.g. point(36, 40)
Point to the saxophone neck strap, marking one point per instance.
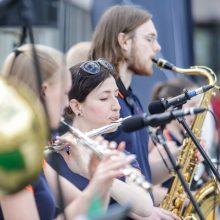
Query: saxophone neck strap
point(127, 95)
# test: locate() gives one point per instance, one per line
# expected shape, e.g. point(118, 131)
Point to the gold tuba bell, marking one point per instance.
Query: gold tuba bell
point(23, 135)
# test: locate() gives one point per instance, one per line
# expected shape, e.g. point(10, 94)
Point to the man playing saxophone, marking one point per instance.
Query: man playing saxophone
point(127, 38)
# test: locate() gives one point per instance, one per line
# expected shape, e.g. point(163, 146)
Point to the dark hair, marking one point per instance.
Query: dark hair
point(83, 83)
point(172, 87)
point(117, 19)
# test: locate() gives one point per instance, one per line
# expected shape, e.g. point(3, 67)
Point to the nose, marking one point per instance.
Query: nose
point(115, 104)
point(157, 46)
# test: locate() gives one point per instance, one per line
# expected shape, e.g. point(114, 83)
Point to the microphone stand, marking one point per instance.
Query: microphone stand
point(26, 14)
point(176, 167)
point(27, 17)
point(182, 121)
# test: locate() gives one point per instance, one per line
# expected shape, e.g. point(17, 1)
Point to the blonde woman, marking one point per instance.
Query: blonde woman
point(40, 201)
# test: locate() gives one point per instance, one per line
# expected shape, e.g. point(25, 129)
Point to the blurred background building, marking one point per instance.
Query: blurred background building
point(195, 27)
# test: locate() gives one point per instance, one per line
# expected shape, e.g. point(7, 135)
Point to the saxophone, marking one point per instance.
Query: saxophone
point(208, 196)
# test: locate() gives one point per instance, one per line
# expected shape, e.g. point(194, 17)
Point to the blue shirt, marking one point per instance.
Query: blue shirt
point(57, 162)
point(136, 142)
point(43, 198)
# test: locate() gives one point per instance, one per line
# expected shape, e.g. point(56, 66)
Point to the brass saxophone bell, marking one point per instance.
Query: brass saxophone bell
point(23, 135)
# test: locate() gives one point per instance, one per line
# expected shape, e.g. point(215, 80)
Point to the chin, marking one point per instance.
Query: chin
point(145, 71)
point(99, 125)
point(54, 126)
point(150, 70)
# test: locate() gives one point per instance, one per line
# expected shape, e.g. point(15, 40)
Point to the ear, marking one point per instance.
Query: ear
point(44, 88)
point(76, 107)
point(124, 41)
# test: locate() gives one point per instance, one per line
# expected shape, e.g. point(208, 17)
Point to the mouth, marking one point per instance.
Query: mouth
point(114, 119)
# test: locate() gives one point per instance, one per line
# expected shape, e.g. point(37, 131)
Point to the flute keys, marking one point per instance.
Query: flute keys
point(126, 171)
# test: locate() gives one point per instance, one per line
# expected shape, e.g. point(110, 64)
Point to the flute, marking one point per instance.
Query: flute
point(106, 129)
point(128, 171)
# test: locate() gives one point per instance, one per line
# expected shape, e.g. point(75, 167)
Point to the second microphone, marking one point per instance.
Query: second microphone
point(140, 121)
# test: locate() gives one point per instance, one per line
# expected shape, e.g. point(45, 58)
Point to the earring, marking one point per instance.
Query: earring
point(42, 94)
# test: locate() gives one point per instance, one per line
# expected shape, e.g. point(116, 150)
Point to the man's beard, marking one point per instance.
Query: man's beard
point(135, 65)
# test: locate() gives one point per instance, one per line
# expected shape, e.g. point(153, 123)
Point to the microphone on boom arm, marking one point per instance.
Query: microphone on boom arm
point(140, 121)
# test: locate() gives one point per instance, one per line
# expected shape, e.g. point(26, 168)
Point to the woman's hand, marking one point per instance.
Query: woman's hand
point(107, 147)
point(76, 156)
point(110, 167)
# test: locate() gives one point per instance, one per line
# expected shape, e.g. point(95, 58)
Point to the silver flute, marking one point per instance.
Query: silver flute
point(106, 129)
point(128, 171)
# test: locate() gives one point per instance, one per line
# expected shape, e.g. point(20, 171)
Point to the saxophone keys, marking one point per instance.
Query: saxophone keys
point(177, 203)
point(180, 190)
point(187, 177)
point(175, 211)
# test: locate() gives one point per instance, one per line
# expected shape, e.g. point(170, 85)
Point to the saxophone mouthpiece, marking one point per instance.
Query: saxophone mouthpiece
point(161, 63)
point(154, 60)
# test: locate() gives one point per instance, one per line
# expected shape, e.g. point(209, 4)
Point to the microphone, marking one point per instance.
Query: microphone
point(160, 106)
point(140, 121)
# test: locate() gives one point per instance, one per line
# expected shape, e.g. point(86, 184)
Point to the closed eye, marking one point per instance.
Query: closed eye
point(104, 99)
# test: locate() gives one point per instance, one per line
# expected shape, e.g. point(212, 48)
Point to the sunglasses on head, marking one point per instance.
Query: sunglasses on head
point(93, 67)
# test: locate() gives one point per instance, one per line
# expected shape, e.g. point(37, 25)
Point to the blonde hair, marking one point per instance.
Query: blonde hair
point(19, 65)
point(78, 53)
